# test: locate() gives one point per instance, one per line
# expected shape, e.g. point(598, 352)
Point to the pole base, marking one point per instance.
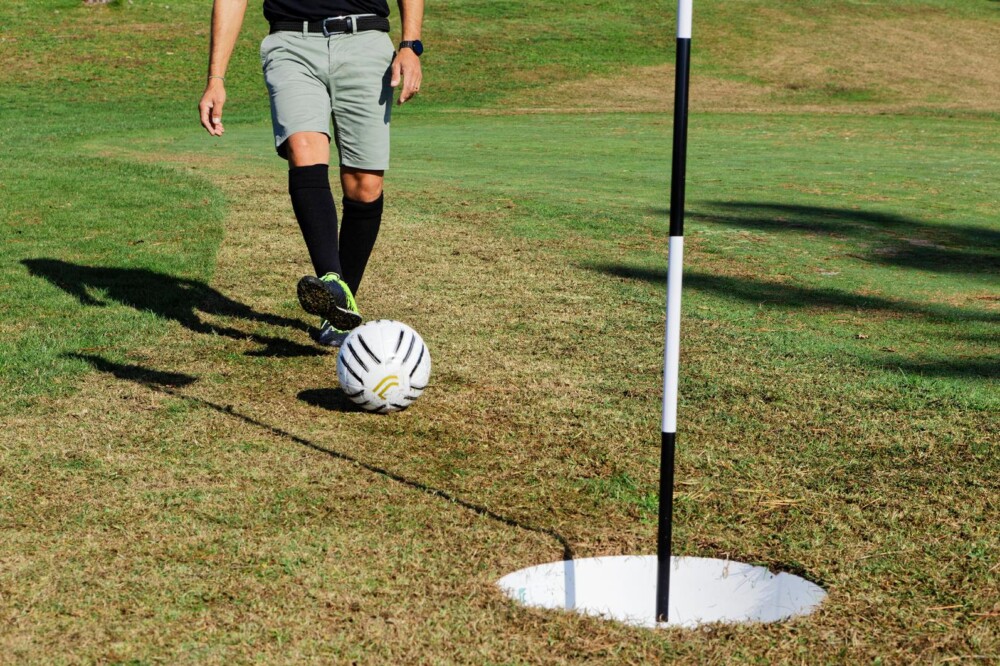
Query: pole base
point(702, 590)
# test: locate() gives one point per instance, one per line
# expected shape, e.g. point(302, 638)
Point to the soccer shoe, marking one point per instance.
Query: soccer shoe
point(328, 336)
point(330, 298)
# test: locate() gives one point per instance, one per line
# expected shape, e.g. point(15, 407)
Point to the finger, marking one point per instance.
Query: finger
point(205, 108)
point(411, 86)
point(396, 71)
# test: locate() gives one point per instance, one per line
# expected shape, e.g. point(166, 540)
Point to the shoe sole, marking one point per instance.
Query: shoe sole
point(316, 299)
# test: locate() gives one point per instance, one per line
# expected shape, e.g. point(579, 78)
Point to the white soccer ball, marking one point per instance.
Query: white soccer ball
point(383, 366)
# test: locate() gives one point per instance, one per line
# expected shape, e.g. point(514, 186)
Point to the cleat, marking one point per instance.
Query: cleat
point(328, 336)
point(330, 298)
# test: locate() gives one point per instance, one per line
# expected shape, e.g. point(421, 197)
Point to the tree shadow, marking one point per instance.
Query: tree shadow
point(882, 238)
point(776, 294)
point(967, 368)
point(169, 297)
point(796, 297)
point(169, 382)
point(334, 400)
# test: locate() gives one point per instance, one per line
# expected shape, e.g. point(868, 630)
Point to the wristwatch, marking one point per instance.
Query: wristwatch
point(416, 45)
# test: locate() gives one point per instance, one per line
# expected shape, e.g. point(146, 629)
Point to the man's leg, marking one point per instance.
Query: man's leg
point(312, 200)
point(362, 206)
point(309, 186)
point(296, 68)
point(362, 107)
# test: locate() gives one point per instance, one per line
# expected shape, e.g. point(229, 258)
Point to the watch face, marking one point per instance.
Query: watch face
point(417, 46)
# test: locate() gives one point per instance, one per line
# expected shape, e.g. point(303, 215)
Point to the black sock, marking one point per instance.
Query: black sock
point(312, 200)
point(357, 238)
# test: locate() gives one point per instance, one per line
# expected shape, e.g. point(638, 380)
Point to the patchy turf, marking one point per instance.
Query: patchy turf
point(184, 482)
point(826, 60)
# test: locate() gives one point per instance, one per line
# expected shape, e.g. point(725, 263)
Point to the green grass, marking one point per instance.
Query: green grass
point(829, 247)
point(182, 484)
point(94, 213)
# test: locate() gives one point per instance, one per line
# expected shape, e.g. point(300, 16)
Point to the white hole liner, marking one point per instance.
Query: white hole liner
point(702, 590)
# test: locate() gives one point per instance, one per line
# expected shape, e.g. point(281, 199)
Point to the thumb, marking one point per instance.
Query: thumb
point(395, 73)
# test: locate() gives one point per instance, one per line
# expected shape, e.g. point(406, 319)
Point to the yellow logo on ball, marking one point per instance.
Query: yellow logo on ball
point(383, 386)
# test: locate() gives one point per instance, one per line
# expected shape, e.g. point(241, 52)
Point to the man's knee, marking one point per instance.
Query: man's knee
point(308, 148)
point(361, 185)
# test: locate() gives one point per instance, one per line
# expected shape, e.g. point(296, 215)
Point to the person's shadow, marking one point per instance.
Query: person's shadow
point(169, 297)
point(171, 383)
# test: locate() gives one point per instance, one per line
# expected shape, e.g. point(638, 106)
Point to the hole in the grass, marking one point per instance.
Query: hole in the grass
point(702, 590)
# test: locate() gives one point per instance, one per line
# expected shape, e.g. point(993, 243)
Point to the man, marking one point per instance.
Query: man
point(327, 59)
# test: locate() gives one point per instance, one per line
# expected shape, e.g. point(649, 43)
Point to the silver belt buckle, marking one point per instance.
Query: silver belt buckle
point(349, 19)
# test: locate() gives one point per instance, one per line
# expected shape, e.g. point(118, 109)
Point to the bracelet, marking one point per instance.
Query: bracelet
point(211, 76)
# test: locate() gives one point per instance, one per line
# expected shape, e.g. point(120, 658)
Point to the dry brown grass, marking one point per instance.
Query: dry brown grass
point(200, 535)
point(837, 64)
point(199, 501)
point(203, 522)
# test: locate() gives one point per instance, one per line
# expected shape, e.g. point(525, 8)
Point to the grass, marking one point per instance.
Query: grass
point(183, 481)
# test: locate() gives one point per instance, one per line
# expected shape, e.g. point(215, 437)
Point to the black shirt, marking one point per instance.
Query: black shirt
point(311, 10)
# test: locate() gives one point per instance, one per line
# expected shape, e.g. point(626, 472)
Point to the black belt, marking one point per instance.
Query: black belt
point(335, 26)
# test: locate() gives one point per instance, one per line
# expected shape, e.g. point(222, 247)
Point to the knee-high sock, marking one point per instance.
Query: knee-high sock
point(357, 238)
point(312, 200)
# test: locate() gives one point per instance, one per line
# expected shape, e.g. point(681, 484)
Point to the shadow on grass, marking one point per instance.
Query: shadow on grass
point(334, 400)
point(967, 368)
point(168, 297)
point(882, 238)
point(170, 382)
point(760, 292)
point(136, 373)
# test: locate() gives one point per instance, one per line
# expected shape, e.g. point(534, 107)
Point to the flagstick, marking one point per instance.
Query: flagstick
point(671, 352)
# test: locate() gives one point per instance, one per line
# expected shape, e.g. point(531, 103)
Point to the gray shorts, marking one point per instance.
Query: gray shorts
point(312, 78)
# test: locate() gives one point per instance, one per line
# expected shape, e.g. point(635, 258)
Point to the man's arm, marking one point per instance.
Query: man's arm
point(407, 63)
point(227, 19)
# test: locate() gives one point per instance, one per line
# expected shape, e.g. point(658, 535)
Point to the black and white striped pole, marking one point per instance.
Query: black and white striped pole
point(703, 590)
point(672, 335)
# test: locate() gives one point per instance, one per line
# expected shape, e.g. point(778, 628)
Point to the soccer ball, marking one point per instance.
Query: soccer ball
point(383, 366)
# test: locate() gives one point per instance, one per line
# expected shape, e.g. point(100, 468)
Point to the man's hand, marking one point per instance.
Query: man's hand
point(406, 66)
point(211, 106)
point(227, 17)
